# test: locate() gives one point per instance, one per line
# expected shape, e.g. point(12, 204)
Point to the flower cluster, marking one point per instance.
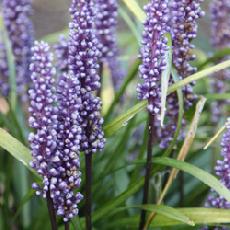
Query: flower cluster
point(20, 31)
point(84, 55)
point(220, 30)
point(106, 22)
point(185, 14)
point(56, 142)
point(68, 147)
point(62, 54)
point(117, 72)
point(223, 172)
point(153, 51)
point(43, 115)
point(4, 72)
point(220, 10)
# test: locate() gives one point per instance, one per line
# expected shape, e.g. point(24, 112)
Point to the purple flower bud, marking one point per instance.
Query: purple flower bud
point(20, 31)
point(153, 50)
point(84, 56)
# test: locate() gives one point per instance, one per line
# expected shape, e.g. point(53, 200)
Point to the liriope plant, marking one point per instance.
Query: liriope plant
point(57, 126)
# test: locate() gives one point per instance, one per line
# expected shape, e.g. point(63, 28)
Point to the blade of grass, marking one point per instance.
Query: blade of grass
point(15, 148)
point(216, 56)
point(200, 174)
point(199, 75)
point(123, 119)
point(165, 78)
point(180, 117)
point(135, 9)
point(130, 23)
point(218, 96)
point(200, 216)
point(172, 213)
point(219, 132)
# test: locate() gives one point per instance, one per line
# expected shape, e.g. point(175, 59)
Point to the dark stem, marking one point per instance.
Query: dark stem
point(67, 226)
point(51, 210)
point(101, 79)
point(148, 169)
point(88, 191)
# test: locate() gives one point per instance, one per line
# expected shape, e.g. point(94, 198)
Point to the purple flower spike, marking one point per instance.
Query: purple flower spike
point(4, 73)
point(106, 26)
point(106, 22)
point(56, 141)
point(20, 31)
point(43, 115)
point(83, 67)
point(62, 54)
point(68, 149)
point(117, 72)
point(153, 51)
point(220, 18)
point(185, 14)
point(220, 30)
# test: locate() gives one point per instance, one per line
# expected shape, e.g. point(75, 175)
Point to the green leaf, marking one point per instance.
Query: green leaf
point(130, 23)
point(199, 75)
point(216, 56)
point(167, 211)
point(109, 207)
point(218, 96)
point(165, 78)
point(200, 174)
point(200, 216)
point(15, 148)
point(135, 9)
point(122, 120)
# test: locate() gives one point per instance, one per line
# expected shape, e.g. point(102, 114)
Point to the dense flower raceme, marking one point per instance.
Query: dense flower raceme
point(117, 72)
point(106, 25)
point(153, 51)
point(4, 72)
point(62, 54)
point(183, 24)
point(184, 16)
point(106, 21)
point(16, 15)
point(84, 56)
point(223, 172)
point(220, 30)
point(56, 141)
